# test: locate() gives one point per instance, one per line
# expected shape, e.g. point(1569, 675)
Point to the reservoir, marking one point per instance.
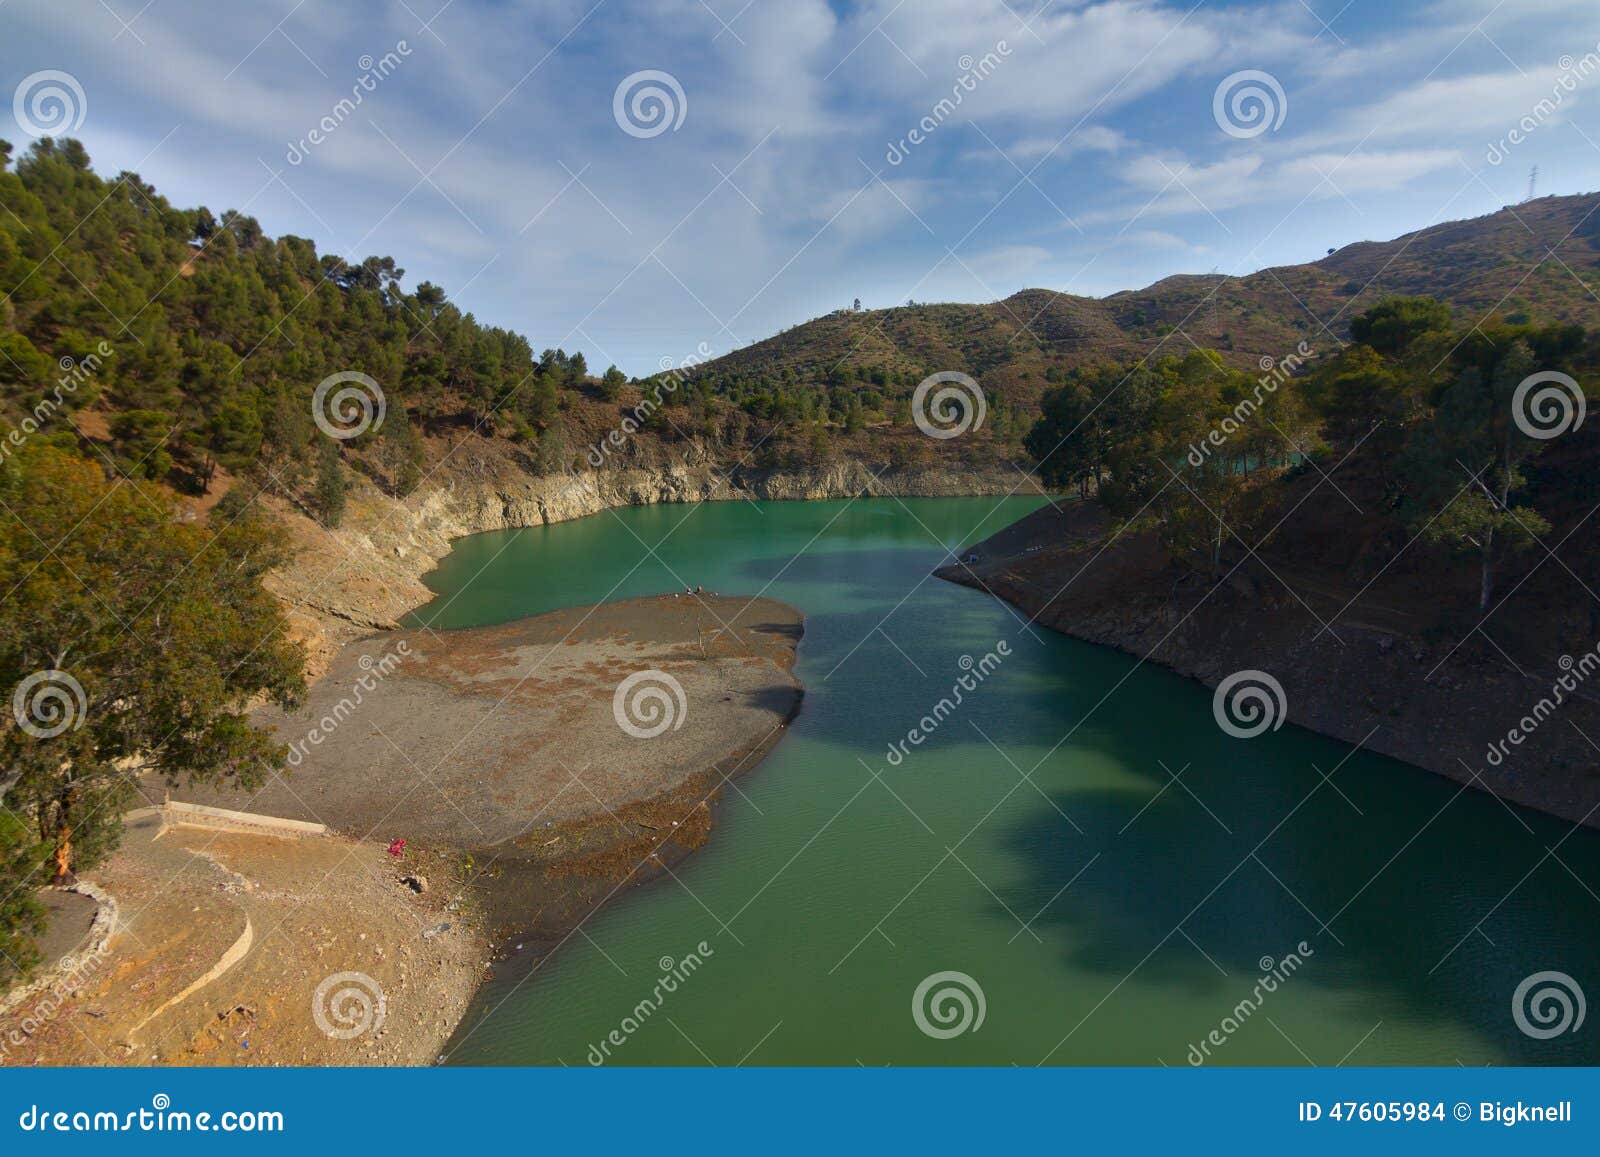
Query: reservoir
point(1066, 876)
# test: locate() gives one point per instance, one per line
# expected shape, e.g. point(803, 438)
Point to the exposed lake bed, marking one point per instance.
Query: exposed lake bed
point(520, 774)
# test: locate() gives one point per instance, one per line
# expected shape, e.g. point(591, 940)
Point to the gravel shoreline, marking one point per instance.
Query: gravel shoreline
point(533, 769)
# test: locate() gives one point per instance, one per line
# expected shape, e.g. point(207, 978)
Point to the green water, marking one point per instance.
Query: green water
point(1109, 915)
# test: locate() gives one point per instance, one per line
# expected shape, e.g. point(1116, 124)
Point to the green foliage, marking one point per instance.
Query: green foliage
point(22, 917)
point(1395, 323)
point(145, 637)
point(855, 418)
point(331, 486)
point(220, 334)
point(402, 452)
point(1195, 448)
point(552, 454)
point(139, 439)
point(1096, 410)
point(1473, 443)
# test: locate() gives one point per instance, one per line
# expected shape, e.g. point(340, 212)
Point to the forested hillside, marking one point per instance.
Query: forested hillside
point(1470, 446)
point(172, 343)
point(177, 389)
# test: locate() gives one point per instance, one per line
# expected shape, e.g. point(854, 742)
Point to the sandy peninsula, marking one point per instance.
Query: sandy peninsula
point(532, 770)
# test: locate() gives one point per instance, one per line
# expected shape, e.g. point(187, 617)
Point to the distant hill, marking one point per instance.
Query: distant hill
point(1488, 264)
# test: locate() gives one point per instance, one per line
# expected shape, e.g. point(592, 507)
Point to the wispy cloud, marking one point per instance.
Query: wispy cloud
point(1088, 155)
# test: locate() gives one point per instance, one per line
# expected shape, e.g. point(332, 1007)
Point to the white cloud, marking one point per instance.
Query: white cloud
point(1006, 264)
point(1057, 65)
point(1178, 187)
point(1362, 172)
point(1158, 239)
point(1027, 151)
point(1444, 107)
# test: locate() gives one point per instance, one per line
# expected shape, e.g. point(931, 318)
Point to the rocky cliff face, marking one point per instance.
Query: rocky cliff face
point(468, 508)
point(366, 574)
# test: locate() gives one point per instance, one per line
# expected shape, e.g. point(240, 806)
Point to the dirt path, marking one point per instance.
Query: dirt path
point(225, 945)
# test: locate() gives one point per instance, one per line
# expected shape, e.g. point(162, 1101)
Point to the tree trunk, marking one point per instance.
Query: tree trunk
point(63, 837)
point(1486, 581)
point(1486, 586)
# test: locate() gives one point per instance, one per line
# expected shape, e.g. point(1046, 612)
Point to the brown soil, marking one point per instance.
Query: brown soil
point(1393, 675)
point(484, 739)
point(71, 916)
point(501, 745)
point(223, 938)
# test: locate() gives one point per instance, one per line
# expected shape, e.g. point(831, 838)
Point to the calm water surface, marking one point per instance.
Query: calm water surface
point(1037, 843)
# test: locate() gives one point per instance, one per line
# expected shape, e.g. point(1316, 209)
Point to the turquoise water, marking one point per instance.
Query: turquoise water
point(1035, 843)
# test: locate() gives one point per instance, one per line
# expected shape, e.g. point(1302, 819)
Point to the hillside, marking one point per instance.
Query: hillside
point(185, 348)
point(192, 350)
point(1498, 263)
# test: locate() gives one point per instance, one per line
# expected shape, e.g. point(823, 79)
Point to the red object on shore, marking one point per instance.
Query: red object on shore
point(397, 848)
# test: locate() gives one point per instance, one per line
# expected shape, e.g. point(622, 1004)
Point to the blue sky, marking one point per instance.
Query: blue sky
point(1085, 153)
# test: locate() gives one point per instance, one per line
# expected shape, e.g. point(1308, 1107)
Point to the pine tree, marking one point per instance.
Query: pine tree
point(330, 492)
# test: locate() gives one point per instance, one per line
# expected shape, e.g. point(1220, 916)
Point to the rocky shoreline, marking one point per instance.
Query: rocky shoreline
point(1379, 685)
point(346, 591)
point(367, 574)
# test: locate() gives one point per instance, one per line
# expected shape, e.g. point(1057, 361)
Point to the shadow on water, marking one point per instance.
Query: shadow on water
point(1421, 903)
point(775, 698)
point(1414, 900)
